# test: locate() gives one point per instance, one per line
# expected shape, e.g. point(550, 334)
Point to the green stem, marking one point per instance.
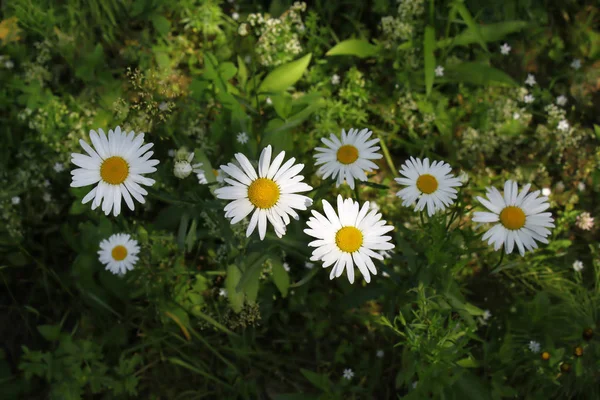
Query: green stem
point(356, 192)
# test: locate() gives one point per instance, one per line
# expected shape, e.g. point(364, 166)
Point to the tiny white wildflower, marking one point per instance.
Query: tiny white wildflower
point(46, 183)
point(171, 153)
point(286, 266)
point(242, 138)
point(335, 79)
point(59, 167)
point(15, 200)
point(530, 80)
point(348, 373)
point(516, 116)
point(546, 191)
point(486, 315)
point(578, 266)
point(223, 292)
point(528, 99)
point(269, 101)
point(534, 346)
point(585, 221)
point(563, 126)
point(505, 49)
point(309, 265)
point(581, 186)
point(576, 64)
point(379, 353)
point(439, 71)
point(9, 64)
point(561, 100)
point(163, 106)
point(235, 16)
point(47, 197)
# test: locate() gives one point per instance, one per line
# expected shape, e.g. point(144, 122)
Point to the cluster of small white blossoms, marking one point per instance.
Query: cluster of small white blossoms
point(278, 38)
point(348, 236)
point(402, 27)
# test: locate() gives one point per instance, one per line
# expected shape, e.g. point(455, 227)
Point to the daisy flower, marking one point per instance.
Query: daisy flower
point(349, 158)
point(115, 166)
point(439, 71)
point(119, 253)
point(530, 80)
point(272, 193)
point(585, 221)
point(578, 266)
point(505, 49)
point(183, 168)
point(348, 373)
point(432, 184)
point(351, 236)
point(518, 216)
point(242, 138)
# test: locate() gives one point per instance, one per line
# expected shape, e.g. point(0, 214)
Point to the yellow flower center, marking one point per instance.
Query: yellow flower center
point(427, 183)
point(347, 154)
point(114, 170)
point(512, 217)
point(349, 239)
point(263, 193)
point(119, 253)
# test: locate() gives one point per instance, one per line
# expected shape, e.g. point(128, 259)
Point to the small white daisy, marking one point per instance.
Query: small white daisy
point(223, 292)
point(119, 253)
point(47, 197)
point(335, 79)
point(348, 373)
point(349, 158)
point(505, 49)
point(585, 221)
point(432, 184)
point(534, 346)
point(351, 236)
point(578, 266)
point(486, 315)
point(561, 100)
point(518, 216)
point(516, 115)
point(115, 165)
point(309, 265)
point(576, 64)
point(182, 168)
point(528, 99)
point(272, 193)
point(59, 167)
point(242, 137)
point(530, 80)
point(379, 354)
point(563, 126)
point(15, 200)
point(286, 266)
point(439, 71)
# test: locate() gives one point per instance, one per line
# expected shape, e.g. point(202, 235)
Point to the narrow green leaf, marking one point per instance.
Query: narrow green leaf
point(353, 47)
point(478, 74)
point(251, 284)
point(466, 16)
point(236, 299)
point(429, 45)
point(49, 332)
point(488, 33)
point(281, 278)
point(285, 75)
point(320, 381)
point(597, 130)
point(242, 72)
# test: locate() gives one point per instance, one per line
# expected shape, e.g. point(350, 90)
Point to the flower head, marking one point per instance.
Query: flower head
point(15, 200)
point(576, 64)
point(530, 80)
point(119, 253)
point(519, 218)
point(534, 346)
point(348, 158)
point(379, 354)
point(585, 221)
point(242, 138)
point(563, 126)
point(528, 99)
point(47, 197)
point(431, 184)
point(272, 193)
point(115, 166)
point(59, 167)
point(505, 49)
point(561, 100)
point(351, 236)
point(546, 192)
point(439, 71)
point(348, 373)
point(335, 79)
point(223, 292)
point(578, 266)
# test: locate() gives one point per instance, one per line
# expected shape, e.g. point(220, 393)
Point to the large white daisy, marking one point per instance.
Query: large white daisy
point(519, 216)
point(115, 165)
point(352, 236)
point(119, 253)
point(432, 185)
point(271, 194)
point(349, 158)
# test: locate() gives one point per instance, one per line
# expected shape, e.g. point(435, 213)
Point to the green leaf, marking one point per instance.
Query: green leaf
point(597, 130)
point(161, 24)
point(236, 299)
point(353, 47)
point(49, 332)
point(285, 75)
point(488, 33)
point(466, 16)
point(227, 70)
point(281, 278)
point(320, 381)
point(251, 284)
point(478, 74)
point(429, 44)
point(242, 72)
